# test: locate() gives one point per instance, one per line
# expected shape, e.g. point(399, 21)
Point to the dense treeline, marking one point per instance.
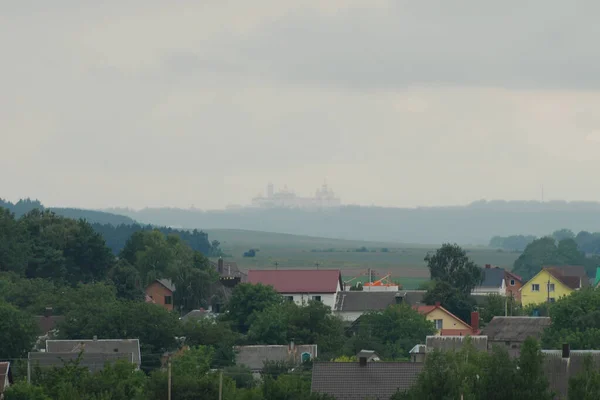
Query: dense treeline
point(587, 242)
point(116, 237)
point(24, 206)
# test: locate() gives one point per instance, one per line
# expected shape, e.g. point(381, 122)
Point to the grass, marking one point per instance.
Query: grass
point(405, 262)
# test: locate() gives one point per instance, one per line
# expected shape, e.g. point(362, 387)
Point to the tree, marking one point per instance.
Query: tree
point(563, 234)
point(450, 264)
point(531, 381)
point(586, 384)
point(63, 249)
point(18, 332)
point(247, 300)
point(458, 303)
point(216, 334)
point(14, 247)
point(575, 320)
point(391, 333)
point(24, 391)
point(546, 251)
point(496, 305)
point(127, 281)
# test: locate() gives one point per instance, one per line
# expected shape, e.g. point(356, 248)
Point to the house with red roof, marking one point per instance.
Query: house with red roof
point(448, 324)
point(302, 285)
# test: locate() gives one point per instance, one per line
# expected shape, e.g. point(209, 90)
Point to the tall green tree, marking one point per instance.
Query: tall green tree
point(451, 264)
point(546, 251)
point(246, 301)
point(14, 248)
point(18, 332)
point(531, 381)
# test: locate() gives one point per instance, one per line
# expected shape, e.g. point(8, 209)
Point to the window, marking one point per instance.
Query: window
point(316, 298)
point(551, 287)
point(552, 299)
point(535, 287)
point(168, 300)
point(439, 324)
point(289, 298)
point(512, 282)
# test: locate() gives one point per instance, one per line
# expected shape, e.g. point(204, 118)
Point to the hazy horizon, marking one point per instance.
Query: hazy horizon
point(393, 103)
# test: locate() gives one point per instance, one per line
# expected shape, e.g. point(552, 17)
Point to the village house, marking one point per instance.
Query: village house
point(513, 285)
point(552, 283)
point(492, 282)
point(161, 292)
point(95, 353)
point(363, 379)
point(511, 332)
point(255, 357)
point(448, 324)
point(302, 285)
point(351, 305)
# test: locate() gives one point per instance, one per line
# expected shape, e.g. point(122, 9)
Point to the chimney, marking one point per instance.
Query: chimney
point(292, 346)
point(566, 350)
point(475, 321)
point(438, 304)
point(95, 338)
point(488, 266)
point(362, 361)
point(398, 298)
point(220, 265)
point(48, 312)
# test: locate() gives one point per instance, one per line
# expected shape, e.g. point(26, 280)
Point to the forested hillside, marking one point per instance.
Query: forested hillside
point(25, 205)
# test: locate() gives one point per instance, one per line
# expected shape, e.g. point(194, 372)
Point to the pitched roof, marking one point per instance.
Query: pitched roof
point(99, 346)
point(515, 329)
point(167, 283)
point(574, 276)
point(514, 276)
point(351, 381)
point(453, 343)
point(492, 277)
point(255, 357)
point(93, 361)
point(4, 371)
point(365, 301)
point(298, 280)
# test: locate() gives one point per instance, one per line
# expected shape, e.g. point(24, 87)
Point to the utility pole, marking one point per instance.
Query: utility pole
point(221, 385)
point(169, 376)
point(276, 264)
point(317, 265)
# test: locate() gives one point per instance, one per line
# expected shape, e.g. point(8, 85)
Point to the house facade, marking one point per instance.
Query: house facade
point(301, 286)
point(161, 292)
point(549, 285)
point(448, 324)
point(513, 285)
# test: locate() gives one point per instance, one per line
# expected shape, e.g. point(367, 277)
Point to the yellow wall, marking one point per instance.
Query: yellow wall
point(449, 321)
point(530, 297)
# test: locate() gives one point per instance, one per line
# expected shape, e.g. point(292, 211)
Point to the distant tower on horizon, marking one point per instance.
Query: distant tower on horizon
point(270, 190)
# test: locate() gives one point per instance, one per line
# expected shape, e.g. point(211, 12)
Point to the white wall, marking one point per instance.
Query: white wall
point(326, 298)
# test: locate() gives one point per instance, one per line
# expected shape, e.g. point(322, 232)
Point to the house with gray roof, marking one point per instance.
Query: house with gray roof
point(352, 304)
point(511, 332)
point(493, 282)
point(363, 380)
point(256, 356)
point(92, 361)
point(129, 347)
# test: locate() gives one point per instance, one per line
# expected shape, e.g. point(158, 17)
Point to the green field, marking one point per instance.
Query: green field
point(405, 262)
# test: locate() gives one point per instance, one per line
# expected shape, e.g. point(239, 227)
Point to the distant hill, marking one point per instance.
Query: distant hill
point(24, 206)
point(473, 224)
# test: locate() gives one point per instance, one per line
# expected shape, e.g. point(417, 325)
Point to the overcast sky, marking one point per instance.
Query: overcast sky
point(396, 103)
